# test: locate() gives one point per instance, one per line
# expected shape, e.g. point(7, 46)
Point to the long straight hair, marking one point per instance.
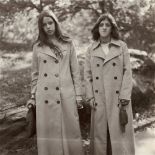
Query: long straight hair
point(42, 37)
point(114, 30)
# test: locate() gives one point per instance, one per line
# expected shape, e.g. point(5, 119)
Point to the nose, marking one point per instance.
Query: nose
point(104, 26)
point(47, 26)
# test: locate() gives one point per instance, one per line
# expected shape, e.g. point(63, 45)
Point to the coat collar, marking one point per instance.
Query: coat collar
point(47, 50)
point(98, 52)
point(114, 47)
point(112, 42)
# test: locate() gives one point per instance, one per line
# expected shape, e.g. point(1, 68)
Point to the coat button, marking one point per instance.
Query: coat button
point(56, 75)
point(91, 80)
point(57, 88)
point(117, 92)
point(45, 74)
point(46, 101)
point(114, 64)
point(58, 102)
point(56, 61)
point(45, 88)
point(115, 77)
point(98, 65)
point(45, 61)
point(96, 91)
point(97, 78)
point(95, 104)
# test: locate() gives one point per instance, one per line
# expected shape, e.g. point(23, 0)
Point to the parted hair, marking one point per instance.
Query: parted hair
point(42, 37)
point(114, 31)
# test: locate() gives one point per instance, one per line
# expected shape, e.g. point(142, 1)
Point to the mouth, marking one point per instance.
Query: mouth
point(104, 31)
point(49, 31)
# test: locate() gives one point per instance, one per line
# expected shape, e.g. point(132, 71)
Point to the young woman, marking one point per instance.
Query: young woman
point(108, 79)
point(55, 90)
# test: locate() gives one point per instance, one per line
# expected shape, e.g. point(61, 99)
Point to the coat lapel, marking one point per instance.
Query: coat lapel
point(48, 51)
point(99, 53)
point(97, 50)
point(114, 50)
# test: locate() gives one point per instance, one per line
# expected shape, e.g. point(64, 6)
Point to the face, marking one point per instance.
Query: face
point(49, 26)
point(105, 28)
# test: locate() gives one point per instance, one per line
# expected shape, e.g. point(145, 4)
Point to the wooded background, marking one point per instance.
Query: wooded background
point(135, 19)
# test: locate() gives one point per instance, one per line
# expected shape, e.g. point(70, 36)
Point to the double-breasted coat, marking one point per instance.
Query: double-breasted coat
point(56, 84)
point(109, 78)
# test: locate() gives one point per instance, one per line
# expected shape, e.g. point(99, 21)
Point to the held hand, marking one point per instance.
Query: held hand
point(30, 103)
point(92, 103)
point(79, 104)
point(123, 102)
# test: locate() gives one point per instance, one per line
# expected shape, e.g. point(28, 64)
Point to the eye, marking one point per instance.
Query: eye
point(101, 24)
point(50, 23)
point(44, 24)
point(108, 24)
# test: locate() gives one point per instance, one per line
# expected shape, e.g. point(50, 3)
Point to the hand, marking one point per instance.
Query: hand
point(124, 102)
point(30, 103)
point(92, 103)
point(79, 104)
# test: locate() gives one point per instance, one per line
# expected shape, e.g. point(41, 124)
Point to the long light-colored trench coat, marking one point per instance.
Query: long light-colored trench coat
point(56, 84)
point(108, 79)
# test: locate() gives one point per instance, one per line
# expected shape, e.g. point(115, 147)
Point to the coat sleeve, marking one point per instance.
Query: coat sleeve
point(88, 76)
point(75, 72)
point(126, 88)
point(34, 71)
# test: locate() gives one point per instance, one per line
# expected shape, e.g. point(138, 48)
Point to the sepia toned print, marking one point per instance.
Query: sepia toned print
point(21, 85)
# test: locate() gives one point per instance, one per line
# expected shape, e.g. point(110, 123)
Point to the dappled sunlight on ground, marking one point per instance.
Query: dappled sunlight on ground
point(145, 142)
point(16, 61)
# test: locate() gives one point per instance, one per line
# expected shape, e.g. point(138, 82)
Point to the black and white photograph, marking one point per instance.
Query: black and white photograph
point(77, 77)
